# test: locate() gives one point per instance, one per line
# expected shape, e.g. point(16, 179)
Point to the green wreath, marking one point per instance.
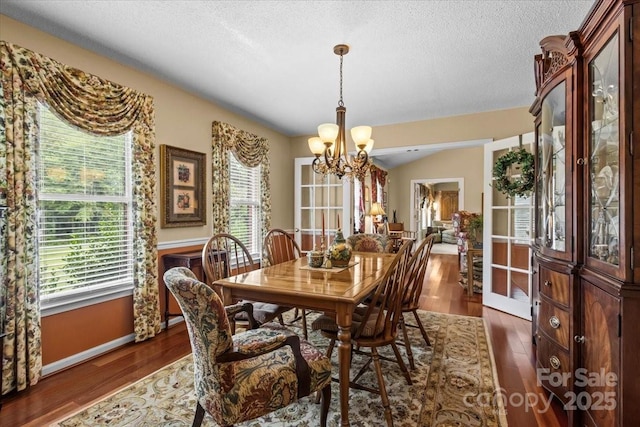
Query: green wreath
point(520, 186)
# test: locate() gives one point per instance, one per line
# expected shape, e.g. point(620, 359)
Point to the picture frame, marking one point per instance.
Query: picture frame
point(182, 185)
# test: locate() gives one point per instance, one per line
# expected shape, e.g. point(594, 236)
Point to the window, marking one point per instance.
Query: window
point(244, 205)
point(84, 214)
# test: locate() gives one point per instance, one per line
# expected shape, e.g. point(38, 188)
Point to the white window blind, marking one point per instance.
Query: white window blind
point(244, 205)
point(84, 210)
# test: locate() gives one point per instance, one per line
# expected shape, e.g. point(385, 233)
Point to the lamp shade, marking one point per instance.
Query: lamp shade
point(376, 209)
point(361, 135)
point(328, 132)
point(316, 145)
point(369, 146)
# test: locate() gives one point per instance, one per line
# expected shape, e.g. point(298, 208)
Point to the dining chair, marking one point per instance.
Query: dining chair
point(279, 247)
point(225, 255)
point(375, 325)
point(414, 280)
point(395, 231)
point(250, 374)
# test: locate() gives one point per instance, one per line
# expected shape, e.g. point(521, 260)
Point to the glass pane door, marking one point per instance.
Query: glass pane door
point(604, 155)
point(320, 202)
point(551, 227)
point(507, 236)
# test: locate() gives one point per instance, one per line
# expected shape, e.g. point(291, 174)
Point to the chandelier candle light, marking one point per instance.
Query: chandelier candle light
point(331, 141)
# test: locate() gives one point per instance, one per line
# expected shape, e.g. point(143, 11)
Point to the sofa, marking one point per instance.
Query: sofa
point(446, 232)
point(449, 235)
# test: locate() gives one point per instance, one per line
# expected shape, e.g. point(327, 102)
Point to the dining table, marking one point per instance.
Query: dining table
point(330, 290)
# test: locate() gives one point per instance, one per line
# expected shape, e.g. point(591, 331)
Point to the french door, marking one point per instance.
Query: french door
point(508, 234)
point(320, 201)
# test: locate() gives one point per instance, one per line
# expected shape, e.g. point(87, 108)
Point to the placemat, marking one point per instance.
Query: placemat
point(332, 269)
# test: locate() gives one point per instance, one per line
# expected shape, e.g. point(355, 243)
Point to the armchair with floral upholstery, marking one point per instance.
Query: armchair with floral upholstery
point(366, 242)
point(244, 376)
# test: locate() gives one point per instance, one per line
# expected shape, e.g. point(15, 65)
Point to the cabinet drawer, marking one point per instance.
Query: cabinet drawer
point(556, 374)
point(555, 285)
point(554, 322)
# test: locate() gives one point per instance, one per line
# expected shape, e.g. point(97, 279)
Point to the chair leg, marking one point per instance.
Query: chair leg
point(407, 343)
point(304, 324)
point(280, 319)
point(383, 391)
point(403, 367)
point(422, 330)
point(197, 419)
point(326, 401)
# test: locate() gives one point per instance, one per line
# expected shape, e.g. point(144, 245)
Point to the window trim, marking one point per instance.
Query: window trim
point(104, 293)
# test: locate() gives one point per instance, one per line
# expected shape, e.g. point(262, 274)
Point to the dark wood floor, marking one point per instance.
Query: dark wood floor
point(65, 392)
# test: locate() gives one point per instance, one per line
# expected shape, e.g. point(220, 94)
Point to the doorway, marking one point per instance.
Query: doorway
point(444, 196)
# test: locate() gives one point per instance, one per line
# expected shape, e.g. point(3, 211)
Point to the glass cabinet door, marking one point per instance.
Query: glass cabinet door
point(604, 155)
point(551, 224)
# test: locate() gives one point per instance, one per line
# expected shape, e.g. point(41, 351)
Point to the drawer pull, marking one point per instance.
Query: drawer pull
point(555, 362)
point(579, 339)
point(554, 322)
point(547, 283)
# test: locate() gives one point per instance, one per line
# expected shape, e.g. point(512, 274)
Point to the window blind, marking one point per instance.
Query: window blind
point(84, 209)
point(245, 209)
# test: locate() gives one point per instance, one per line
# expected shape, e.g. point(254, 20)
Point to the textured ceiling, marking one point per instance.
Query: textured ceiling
point(273, 61)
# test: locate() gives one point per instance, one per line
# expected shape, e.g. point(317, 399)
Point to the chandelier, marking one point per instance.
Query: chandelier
point(332, 145)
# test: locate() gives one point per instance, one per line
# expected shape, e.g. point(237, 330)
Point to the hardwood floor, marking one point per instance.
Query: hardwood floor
point(65, 392)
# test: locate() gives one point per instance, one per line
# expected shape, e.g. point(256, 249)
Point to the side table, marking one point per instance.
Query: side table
point(191, 260)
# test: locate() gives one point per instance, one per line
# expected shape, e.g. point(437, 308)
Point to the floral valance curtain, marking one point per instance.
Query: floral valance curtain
point(250, 150)
point(97, 106)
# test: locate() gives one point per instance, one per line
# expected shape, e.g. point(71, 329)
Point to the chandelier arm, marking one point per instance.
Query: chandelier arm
point(328, 157)
point(363, 157)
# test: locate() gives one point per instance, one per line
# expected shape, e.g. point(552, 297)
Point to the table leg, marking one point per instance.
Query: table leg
point(343, 319)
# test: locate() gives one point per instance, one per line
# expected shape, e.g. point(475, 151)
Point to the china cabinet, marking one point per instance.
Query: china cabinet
point(586, 302)
point(555, 259)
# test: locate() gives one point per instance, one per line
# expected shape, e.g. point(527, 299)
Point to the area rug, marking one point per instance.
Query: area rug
point(454, 384)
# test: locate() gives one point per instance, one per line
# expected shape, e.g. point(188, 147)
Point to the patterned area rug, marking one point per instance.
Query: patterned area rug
point(454, 384)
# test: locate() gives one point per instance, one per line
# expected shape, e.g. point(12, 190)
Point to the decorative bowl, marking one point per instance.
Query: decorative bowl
point(315, 259)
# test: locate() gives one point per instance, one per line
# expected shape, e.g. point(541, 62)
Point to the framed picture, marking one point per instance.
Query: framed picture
point(183, 187)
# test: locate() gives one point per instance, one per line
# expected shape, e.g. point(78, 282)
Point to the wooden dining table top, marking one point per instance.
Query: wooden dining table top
point(289, 281)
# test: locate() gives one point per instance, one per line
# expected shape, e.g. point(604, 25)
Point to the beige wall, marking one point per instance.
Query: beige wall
point(182, 119)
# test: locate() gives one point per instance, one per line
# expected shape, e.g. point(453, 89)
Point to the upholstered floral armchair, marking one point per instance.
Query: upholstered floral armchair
point(244, 376)
point(366, 242)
